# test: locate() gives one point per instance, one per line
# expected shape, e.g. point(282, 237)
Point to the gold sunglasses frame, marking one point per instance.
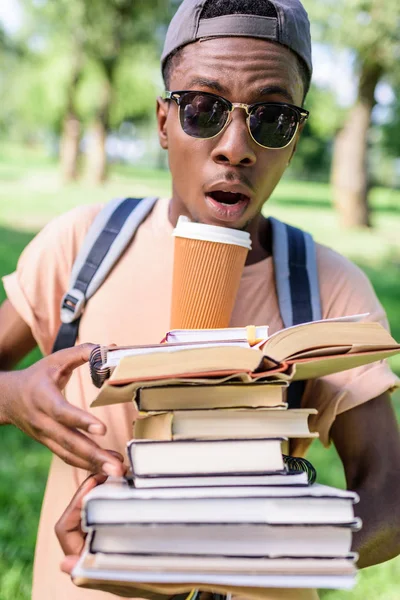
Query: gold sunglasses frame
point(303, 114)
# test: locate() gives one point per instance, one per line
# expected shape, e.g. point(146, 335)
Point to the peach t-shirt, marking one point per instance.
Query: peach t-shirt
point(132, 307)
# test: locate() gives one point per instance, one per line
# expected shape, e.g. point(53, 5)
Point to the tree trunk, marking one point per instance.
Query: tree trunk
point(71, 130)
point(349, 175)
point(69, 147)
point(96, 158)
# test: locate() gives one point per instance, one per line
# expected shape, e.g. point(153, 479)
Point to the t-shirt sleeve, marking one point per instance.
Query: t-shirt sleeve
point(345, 290)
point(42, 275)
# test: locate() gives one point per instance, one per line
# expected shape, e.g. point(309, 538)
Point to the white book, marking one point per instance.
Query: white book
point(288, 478)
point(114, 356)
point(224, 540)
point(217, 335)
point(225, 565)
point(151, 458)
point(85, 571)
point(258, 333)
point(116, 502)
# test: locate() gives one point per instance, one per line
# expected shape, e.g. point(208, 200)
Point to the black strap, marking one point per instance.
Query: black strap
point(68, 332)
point(301, 298)
point(298, 277)
point(66, 336)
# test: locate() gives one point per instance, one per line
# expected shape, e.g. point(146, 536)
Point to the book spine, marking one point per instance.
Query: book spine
point(154, 427)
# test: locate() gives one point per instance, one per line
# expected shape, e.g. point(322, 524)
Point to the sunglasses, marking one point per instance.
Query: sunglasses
point(271, 124)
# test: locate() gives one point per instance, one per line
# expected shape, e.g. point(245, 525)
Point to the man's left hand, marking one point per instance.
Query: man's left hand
point(68, 528)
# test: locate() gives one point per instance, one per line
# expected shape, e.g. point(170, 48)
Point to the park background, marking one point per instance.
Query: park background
point(78, 82)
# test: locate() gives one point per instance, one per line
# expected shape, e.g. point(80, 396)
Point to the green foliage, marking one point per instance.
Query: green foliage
point(136, 86)
point(76, 47)
point(391, 129)
point(313, 154)
point(368, 27)
point(36, 93)
point(137, 83)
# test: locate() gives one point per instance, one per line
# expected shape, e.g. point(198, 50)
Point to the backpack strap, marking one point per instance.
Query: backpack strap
point(106, 240)
point(296, 274)
point(296, 277)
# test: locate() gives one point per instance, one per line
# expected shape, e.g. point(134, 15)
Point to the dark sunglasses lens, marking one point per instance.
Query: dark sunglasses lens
point(202, 115)
point(273, 125)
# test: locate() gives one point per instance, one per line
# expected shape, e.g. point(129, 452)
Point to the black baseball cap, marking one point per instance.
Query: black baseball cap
point(290, 27)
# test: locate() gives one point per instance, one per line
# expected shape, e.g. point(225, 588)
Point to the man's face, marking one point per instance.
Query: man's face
point(245, 70)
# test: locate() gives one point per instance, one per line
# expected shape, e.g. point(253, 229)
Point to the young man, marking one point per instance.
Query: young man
point(225, 160)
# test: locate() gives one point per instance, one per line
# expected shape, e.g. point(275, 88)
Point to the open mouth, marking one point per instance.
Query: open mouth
point(228, 207)
point(228, 198)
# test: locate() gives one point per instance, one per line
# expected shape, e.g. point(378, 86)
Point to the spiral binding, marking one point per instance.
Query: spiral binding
point(97, 373)
point(297, 464)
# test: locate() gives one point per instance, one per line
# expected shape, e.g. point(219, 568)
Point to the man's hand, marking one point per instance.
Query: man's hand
point(72, 539)
point(68, 527)
point(31, 399)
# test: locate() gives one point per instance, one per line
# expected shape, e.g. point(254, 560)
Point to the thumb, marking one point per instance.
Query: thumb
point(68, 563)
point(68, 527)
point(65, 361)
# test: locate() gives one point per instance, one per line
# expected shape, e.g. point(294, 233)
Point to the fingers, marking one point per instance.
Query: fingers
point(56, 407)
point(62, 363)
point(72, 357)
point(74, 448)
point(116, 454)
point(68, 528)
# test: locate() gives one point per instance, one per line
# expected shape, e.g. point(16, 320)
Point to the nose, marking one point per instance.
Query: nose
point(234, 145)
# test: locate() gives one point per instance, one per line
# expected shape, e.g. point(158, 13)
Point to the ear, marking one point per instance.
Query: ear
point(162, 115)
point(296, 141)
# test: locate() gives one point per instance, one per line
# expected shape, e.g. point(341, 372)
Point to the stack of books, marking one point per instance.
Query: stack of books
point(209, 502)
point(282, 536)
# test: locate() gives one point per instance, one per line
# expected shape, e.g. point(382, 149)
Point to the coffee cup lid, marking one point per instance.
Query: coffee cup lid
point(185, 228)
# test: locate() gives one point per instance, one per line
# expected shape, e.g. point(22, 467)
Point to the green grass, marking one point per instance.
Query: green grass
point(30, 194)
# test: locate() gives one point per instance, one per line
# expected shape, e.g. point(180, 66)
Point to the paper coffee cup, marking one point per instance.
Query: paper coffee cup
point(208, 265)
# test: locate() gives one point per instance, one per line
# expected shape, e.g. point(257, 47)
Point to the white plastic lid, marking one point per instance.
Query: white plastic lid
point(211, 233)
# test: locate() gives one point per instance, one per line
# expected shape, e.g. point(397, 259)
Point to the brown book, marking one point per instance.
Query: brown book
point(224, 423)
point(212, 396)
point(178, 397)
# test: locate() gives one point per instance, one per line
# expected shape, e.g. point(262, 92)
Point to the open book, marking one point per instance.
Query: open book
point(108, 357)
point(301, 352)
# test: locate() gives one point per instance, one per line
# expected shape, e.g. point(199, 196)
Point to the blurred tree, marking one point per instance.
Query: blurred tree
point(105, 50)
point(391, 129)
point(371, 30)
point(313, 155)
point(116, 31)
point(53, 33)
point(11, 53)
point(71, 127)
